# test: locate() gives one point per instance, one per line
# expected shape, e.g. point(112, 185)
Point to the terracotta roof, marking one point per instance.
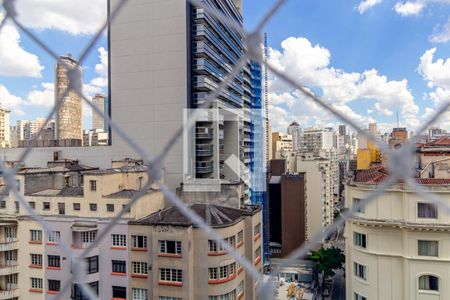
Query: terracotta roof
point(213, 215)
point(380, 173)
point(445, 141)
point(433, 180)
point(373, 175)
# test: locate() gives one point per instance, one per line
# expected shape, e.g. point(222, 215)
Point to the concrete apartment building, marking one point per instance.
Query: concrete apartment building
point(281, 145)
point(5, 135)
point(396, 247)
point(69, 117)
point(322, 187)
point(186, 264)
point(316, 139)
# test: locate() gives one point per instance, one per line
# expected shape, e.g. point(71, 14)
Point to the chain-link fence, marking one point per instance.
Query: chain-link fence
point(400, 164)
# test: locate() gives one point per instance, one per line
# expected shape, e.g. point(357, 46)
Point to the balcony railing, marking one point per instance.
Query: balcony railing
point(8, 246)
point(204, 167)
point(204, 150)
point(8, 270)
point(9, 294)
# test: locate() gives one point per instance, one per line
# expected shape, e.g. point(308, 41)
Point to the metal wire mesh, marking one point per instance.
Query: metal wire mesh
point(399, 159)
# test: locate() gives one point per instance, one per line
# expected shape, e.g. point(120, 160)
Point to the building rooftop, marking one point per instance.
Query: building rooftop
point(65, 192)
point(125, 169)
point(213, 215)
point(380, 173)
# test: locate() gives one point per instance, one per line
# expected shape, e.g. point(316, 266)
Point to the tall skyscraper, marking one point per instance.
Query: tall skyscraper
point(342, 130)
point(98, 122)
point(69, 128)
point(177, 76)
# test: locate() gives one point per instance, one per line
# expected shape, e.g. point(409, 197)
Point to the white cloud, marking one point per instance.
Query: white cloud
point(441, 33)
point(14, 60)
point(409, 8)
point(42, 98)
point(73, 17)
point(101, 69)
point(310, 65)
point(436, 73)
point(10, 101)
point(365, 5)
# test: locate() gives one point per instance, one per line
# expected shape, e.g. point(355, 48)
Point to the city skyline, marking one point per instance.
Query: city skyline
point(27, 93)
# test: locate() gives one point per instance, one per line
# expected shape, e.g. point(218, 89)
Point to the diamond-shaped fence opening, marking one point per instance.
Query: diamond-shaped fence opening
point(400, 160)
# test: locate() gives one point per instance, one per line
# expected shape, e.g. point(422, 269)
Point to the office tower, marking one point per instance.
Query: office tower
point(69, 117)
point(5, 135)
point(98, 122)
point(316, 139)
point(396, 246)
point(287, 210)
point(295, 130)
point(342, 130)
point(182, 59)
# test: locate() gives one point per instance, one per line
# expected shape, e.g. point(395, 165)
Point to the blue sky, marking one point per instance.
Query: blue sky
point(364, 57)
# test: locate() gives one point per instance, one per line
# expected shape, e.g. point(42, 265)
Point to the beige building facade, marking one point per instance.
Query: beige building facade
point(396, 247)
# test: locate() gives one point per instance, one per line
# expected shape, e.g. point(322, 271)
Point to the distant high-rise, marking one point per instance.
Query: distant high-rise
point(4, 129)
point(69, 127)
point(295, 130)
point(342, 130)
point(316, 139)
point(98, 122)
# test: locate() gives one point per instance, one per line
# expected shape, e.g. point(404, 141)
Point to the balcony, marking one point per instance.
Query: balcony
point(9, 294)
point(203, 167)
point(204, 150)
point(8, 270)
point(8, 246)
point(204, 133)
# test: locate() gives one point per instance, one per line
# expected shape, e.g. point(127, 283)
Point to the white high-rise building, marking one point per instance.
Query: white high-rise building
point(316, 139)
point(98, 122)
point(5, 136)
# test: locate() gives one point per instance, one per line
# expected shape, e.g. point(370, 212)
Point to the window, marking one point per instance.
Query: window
point(360, 239)
point(428, 283)
point(54, 236)
point(46, 205)
point(93, 206)
point(427, 211)
point(223, 272)
point(360, 271)
point(139, 294)
point(2, 204)
point(124, 207)
point(359, 297)
point(119, 292)
point(61, 208)
point(139, 267)
point(257, 252)
point(428, 248)
point(77, 292)
point(92, 263)
point(257, 229)
point(231, 241)
point(168, 298)
point(36, 235)
point(119, 266)
point(36, 259)
point(88, 237)
point(54, 261)
point(93, 185)
point(76, 206)
point(228, 296)
point(11, 234)
point(32, 204)
point(36, 283)
point(171, 247)
point(213, 273)
point(139, 241)
point(173, 275)
point(240, 288)
point(214, 246)
point(17, 207)
point(356, 202)
point(110, 207)
point(54, 285)
point(240, 236)
point(119, 240)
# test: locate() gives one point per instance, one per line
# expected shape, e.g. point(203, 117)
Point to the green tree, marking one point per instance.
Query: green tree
point(328, 260)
